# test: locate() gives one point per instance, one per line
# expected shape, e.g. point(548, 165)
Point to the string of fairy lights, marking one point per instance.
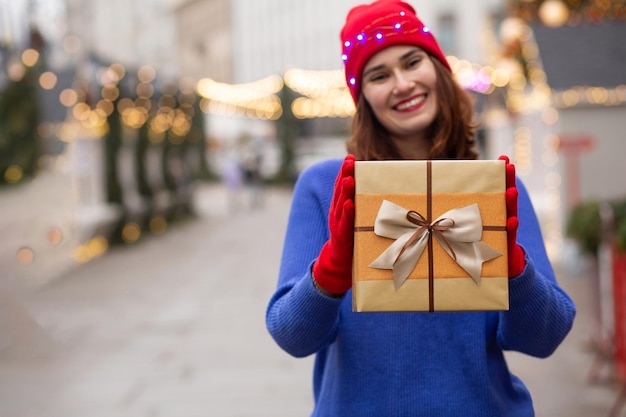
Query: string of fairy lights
point(321, 94)
point(257, 99)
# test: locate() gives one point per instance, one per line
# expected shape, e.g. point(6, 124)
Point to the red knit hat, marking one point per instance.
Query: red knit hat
point(370, 28)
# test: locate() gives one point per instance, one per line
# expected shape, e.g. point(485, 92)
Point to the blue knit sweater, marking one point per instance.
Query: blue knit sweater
point(410, 364)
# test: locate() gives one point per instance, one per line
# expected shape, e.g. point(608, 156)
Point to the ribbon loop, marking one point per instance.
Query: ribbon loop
point(458, 231)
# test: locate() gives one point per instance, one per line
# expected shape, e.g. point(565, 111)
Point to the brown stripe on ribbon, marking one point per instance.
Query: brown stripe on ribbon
point(485, 228)
point(429, 219)
point(494, 228)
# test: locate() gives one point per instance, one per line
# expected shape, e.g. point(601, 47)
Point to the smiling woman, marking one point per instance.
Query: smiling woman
point(402, 85)
point(408, 107)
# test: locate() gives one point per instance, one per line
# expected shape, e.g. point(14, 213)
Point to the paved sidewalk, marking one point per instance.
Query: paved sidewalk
point(174, 327)
point(36, 217)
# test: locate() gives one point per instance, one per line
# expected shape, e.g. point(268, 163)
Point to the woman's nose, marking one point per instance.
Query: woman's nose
point(403, 84)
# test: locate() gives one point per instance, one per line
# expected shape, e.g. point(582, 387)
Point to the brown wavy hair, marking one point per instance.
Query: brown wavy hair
point(452, 132)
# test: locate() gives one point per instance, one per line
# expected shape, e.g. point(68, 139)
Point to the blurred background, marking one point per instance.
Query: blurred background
point(137, 134)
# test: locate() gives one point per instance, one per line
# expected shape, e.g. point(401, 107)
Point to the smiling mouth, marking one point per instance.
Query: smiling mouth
point(411, 103)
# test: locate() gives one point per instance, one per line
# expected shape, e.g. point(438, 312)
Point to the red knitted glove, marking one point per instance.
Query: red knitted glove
point(333, 268)
point(516, 255)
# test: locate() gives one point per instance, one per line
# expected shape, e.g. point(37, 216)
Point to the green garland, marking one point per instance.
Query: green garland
point(19, 123)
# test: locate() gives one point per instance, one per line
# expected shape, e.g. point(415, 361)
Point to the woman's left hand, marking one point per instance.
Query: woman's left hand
point(517, 257)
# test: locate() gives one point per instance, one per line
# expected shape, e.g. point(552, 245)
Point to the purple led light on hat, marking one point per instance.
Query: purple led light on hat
point(347, 44)
point(379, 36)
point(425, 29)
point(397, 26)
point(360, 37)
point(352, 81)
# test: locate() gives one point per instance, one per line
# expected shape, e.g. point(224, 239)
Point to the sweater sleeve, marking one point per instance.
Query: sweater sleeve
point(540, 313)
point(300, 319)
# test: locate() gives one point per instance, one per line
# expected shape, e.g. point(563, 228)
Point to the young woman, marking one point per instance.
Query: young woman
point(406, 364)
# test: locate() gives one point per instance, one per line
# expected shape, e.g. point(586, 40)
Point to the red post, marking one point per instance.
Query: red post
point(619, 285)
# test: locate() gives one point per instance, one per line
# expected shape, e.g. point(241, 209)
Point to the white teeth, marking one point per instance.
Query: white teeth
point(414, 102)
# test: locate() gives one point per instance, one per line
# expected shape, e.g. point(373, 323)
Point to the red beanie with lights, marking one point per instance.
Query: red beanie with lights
point(370, 28)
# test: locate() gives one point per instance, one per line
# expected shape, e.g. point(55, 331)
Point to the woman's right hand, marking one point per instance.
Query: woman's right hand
point(332, 271)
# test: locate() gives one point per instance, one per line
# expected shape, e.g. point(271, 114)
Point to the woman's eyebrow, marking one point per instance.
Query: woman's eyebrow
point(409, 53)
point(373, 69)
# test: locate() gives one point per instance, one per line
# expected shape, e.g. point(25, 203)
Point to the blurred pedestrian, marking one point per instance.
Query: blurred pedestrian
point(232, 178)
point(408, 106)
point(253, 174)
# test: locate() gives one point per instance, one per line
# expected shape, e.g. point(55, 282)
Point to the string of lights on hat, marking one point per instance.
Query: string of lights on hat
point(376, 32)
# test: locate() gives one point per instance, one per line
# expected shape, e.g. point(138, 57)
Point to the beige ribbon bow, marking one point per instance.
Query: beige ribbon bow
point(459, 231)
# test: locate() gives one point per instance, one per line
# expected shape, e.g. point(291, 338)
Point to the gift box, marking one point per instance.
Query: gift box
point(430, 236)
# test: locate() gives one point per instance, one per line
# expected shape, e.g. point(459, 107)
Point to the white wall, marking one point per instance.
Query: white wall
point(141, 32)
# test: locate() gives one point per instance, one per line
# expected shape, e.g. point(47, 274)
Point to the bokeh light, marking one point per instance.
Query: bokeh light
point(16, 71)
point(553, 13)
point(25, 256)
point(93, 248)
point(158, 225)
point(47, 80)
point(68, 97)
point(13, 174)
point(54, 236)
point(146, 74)
point(30, 57)
point(131, 232)
point(72, 44)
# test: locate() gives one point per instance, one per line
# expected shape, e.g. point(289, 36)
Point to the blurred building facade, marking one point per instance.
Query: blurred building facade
point(241, 41)
point(13, 22)
point(132, 33)
point(274, 35)
point(205, 39)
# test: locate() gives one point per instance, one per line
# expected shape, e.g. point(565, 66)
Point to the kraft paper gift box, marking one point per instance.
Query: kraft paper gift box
point(430, 236)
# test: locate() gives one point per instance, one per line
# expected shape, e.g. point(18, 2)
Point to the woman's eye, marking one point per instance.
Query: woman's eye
point(413, 62)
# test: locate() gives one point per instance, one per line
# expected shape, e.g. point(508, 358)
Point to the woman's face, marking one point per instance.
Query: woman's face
point(399, 84)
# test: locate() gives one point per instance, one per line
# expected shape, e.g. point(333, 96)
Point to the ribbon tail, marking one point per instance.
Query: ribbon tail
point(401, 262)
point(471, 256)
point(407, 261)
